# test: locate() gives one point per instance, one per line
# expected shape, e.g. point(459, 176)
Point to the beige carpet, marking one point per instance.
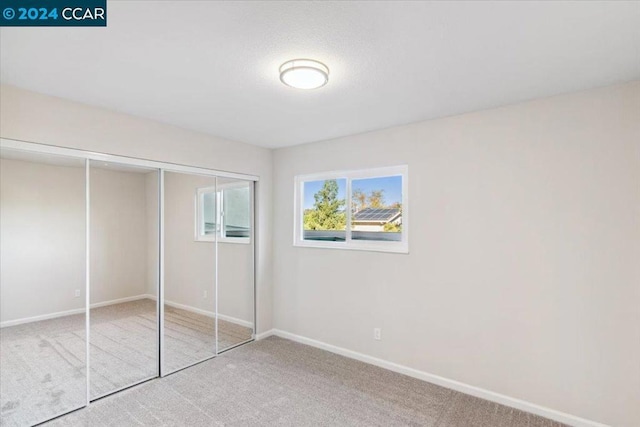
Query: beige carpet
point(276, 382)
point(42, 369)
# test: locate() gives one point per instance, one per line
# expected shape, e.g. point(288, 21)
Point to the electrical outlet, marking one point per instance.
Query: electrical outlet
point(77, 293)
point(204, 294)
point(377, 334)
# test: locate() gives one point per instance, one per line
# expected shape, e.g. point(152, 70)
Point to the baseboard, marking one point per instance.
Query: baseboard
point(68, 312)
point(235, 320)
point(48, 316)
point(122, 300)
point(209, 313)
point(119, 301)
point(265, 334)
point(441, 381)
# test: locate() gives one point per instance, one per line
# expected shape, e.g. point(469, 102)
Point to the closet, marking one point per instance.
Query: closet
point(115, 271)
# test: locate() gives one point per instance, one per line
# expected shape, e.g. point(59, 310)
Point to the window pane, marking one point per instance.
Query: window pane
point(324, 215)
point(208, 228)
point(376, 209)
point(237, 212)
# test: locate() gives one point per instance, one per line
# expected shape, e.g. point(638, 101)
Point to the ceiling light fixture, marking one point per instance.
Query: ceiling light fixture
point(304, 74)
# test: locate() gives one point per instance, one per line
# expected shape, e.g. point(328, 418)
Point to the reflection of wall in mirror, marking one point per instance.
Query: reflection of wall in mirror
point(43, 244)
point(190, 264)
point(43, 238)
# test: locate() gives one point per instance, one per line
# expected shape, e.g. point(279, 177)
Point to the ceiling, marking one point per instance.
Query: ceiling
point(213, 66)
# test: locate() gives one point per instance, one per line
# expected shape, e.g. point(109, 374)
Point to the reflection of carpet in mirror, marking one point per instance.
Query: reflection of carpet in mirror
point(42, 373)
point(190, 337)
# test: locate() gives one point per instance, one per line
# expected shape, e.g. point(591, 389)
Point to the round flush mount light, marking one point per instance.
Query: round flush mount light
point(304, 74)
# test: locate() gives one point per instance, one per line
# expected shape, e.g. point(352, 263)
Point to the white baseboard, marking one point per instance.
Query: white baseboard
point(48, 316)
point(441, 381)
point(235, 320)
point(206, 313)
point(119, 301)
point(265, 334)
point(68, 312)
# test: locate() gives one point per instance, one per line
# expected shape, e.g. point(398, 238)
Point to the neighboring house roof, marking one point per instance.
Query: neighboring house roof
point(382, 215)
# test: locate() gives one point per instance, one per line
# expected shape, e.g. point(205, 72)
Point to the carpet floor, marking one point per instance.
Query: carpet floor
point(42, 369)
point(279, 382)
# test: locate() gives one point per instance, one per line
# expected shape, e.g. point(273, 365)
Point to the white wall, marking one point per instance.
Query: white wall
point(42, 229)
point(119, 249)
point(42, 225)
point(523, 275)
point(190, 265)
point(28, 116)
point(43, 242)
point(235, 283)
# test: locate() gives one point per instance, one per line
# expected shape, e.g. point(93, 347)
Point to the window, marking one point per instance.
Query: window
point(225, 212)
point(365, 210)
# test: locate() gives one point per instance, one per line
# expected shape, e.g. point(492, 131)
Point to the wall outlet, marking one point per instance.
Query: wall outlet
point(377, 334)
point(204, 294)
point(77, 293)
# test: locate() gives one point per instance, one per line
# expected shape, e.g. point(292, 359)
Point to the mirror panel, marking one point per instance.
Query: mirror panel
point(123, 318)
point(165, 268)
point(190, 230)
point(42, 286)
point(235, 306)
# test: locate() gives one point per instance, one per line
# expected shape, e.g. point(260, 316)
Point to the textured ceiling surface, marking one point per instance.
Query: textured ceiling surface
point(213, 66)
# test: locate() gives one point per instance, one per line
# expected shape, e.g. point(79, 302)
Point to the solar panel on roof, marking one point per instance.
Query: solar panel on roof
point(376, 214)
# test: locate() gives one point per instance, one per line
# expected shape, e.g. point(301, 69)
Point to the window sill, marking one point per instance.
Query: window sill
point(399, 248)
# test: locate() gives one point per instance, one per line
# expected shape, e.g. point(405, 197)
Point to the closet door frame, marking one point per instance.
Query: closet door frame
point(133, 161)
point(161, 167)
point(87, 272)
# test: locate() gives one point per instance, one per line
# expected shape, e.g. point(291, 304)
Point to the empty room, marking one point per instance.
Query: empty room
point(320, 213)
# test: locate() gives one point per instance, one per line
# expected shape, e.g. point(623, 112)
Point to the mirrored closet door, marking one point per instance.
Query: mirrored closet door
point(42, 286)
point(189, 274)
point(123, 276)
point(115, 271)
point(235, 296)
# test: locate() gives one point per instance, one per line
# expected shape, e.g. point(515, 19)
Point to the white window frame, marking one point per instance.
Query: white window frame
point(401, 246)
point(220, 228)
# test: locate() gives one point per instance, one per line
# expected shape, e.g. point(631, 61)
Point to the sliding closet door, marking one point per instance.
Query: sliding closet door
point(42, 287)
point(190, 203)
point(235, 308)
point(123, 320)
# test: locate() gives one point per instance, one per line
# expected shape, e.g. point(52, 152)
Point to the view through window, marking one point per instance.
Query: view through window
point(353, 209)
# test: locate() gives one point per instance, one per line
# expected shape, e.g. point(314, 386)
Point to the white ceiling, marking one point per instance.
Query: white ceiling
point(213, 66)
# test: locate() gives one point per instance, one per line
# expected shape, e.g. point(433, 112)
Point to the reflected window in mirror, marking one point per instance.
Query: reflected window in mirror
point(224, 212)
